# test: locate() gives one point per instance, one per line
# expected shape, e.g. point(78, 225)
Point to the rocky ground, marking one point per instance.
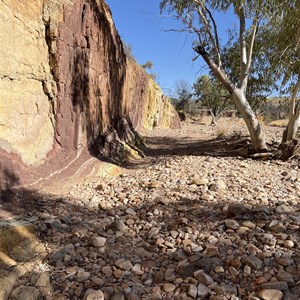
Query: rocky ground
point(193, 220)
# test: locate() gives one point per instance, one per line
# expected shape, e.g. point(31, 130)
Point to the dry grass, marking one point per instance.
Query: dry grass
point(222, 131)
point(279, 123)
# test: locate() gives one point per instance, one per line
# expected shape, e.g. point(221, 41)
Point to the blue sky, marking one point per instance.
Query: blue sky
point(140, 25)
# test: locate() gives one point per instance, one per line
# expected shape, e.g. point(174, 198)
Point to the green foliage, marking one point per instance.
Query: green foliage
point(285, 46)
point(210, 93)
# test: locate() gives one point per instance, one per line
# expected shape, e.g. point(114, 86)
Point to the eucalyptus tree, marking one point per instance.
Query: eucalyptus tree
point(285, 60)
point(197, 18)
point(209, 92)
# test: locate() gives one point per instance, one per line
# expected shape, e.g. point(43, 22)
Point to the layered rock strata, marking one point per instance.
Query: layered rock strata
point(66, 86)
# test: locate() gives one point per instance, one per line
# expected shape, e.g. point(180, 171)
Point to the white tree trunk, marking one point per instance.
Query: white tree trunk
point(256, 133)
point(294, 117)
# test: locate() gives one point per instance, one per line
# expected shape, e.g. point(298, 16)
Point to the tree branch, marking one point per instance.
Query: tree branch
point(218, 72)
point(214, 40)
point(216, 35)
point(251, 45)
point(243, 48)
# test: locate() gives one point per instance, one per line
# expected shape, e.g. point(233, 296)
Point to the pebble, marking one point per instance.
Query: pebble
point(275, 285)
point(232, 224)
point(203, 277)
point(237, 210)
point(254, 262)
point(193, 291)
point(202, 290)
point(93, 295)
point(98, 241)
point(169, 287)
point(82, 275)
point(288, 244)
point(271, 294)
point(200, 181)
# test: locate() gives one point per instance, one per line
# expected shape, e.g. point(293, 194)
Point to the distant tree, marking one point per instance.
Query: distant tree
point(149, 66)
point(184, 94)
point(210, 93)
point(128, 50)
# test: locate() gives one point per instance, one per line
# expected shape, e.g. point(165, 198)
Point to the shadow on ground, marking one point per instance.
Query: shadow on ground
point(222, 146)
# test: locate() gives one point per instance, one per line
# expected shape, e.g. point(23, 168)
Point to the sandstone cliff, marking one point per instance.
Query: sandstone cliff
point(67, 86)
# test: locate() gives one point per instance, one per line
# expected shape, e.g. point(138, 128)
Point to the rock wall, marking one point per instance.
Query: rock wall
point(64, 83)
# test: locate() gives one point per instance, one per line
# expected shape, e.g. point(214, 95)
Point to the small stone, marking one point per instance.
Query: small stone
point(162, 200)
point(130, 221)
point(236, 263)
point(82, 275)
point(153, 185)
point(193, 291)
point(58, 255)
point(169, 287)
point(170, 275)
point(117, 225)
point(93, 295)
point(237, 210)
point(219, 269)
point(153, 233)
point(211, 251)
point(131, 212)
point(277, 226)
point(94, 201)
point(118, 295)
point(123, 264)
point(107, 271)
point(202, 290)
point(180, 254)
point(285, 276)
point(137, 269)
point(247, 271)
point(254, 262)
point(203, 277)
point(288, 244)
point(249, 224)
point(232, 224)
point(242, 230)
point(233, 271)
point(200, 181)
point(285, 261)
point(275, 285)
point(260, 280)
point(283, 209)
point(98, 241)
point(268, 239)
point(219, 185)
point(206, 197)
point(271, 294)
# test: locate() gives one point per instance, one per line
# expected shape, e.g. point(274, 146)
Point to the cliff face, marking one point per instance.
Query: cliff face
point(66, 86)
